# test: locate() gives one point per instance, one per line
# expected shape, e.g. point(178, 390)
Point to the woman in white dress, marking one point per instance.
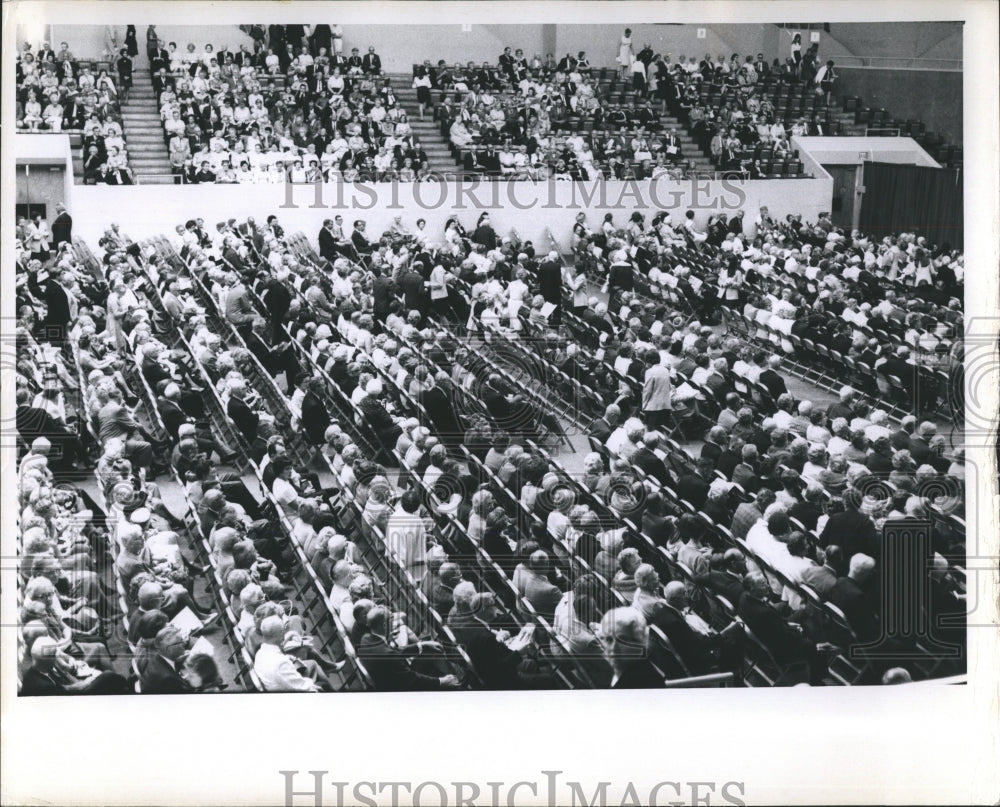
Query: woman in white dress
point(625, 53)
point(517, 291)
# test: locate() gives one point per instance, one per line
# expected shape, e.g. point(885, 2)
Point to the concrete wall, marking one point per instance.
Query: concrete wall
point(400, 46)
point(932, 96)
point(44, 169)
point(849, 150)
point(601, 41)
point(939, 40)
point(528, 207)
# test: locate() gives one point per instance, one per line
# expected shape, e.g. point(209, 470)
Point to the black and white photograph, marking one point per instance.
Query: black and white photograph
point(353, 350)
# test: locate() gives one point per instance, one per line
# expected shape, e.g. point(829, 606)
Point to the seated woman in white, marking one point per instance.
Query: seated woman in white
point(460, 135)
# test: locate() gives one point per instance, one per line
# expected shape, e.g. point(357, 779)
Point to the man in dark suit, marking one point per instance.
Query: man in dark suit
point(389, 669)
point(771, 379)
point(647, 460)
point(61, 308)
point(371, 62)
point(602, 428)
point(786, 640)
point(727, 579)
point(851, 529)
point(920, 443)
point(489, 160)
point(538, 591)
point(243, 416)
point(359, 239)
point(277, 300)
point(158, 671)
point(701, 651)
point(693, 487)
point(382, 294)
point(327, 241)
point(495, 656)
point(34, 423)
point(851, 596)
point(44, 677)
point(377, 416)
point(821, 579)
point(62, 228)
point(315, 416)
point(411, 284)
point(550, 284)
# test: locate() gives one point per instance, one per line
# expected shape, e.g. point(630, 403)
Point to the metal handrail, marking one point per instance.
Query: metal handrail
point(900, 63)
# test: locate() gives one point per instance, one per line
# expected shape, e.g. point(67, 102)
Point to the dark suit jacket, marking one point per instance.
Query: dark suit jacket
point(550, 281)
point(820, 579)
point(853, 532)
point(411, 284)
point(543, 596)
point(62, 230)
point(244, 417)
point(694, 489)
point(57, 305)
point(315, 418)
point(277, 299)
point(600, 429)
point(639, 675)
point(360, 243)
point(173, 416)
point(327, 245)
point(694, 648)
point(728, 585)
point(774, 382)
point(651, 465)
point(157, 677)
point(850, 598)
point(390, 671)
point(35, 682)
point(494, 662)
point(784, 641)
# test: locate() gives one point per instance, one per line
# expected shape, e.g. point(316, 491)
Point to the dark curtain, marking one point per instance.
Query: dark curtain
point(912, 198)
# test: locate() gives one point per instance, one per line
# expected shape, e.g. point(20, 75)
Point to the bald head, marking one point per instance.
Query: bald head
point(674, 593)
point(272, 630)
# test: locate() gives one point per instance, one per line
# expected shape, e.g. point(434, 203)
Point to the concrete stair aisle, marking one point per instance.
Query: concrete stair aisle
point(689, 146)
point(427, 131)
point(147, 152)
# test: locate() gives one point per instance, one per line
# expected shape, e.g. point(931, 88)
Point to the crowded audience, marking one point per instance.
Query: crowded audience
point(398, 400)
point(57, 92)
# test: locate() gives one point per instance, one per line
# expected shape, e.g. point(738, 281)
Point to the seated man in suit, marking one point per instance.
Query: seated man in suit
point(822, 579)
point(602, 427)
point(536, 588)
point(246, 419)
point(646, 459)
point(787, 641)
point(853, 597)
point(389, 668)
point(499, 658)
point(158, 672)
point(771, 379)
point(702, 648)
point(52, 672)
point(726, 575)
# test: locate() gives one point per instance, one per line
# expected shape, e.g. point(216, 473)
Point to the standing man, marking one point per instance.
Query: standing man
point(62, 227)
point(657, 389)
point(550, 284)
